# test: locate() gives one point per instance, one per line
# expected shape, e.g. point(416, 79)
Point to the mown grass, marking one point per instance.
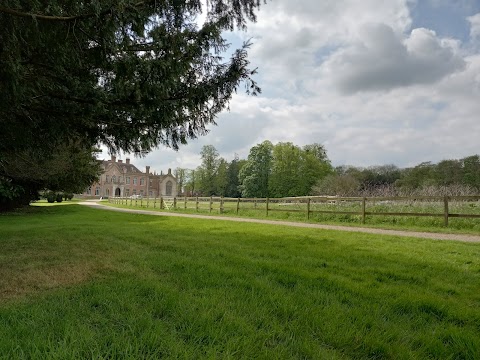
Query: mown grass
point(77, 282)
point(44, 202)
point(297, 213)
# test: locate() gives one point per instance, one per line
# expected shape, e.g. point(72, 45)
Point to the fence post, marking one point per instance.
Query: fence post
point(161, 202)
point(364, 200)
point(131, 201)
point(211, 204)
point(255, 203)
point(154, 201)
point(148, 201)
point(196, 204)
point(266, 207)
point(445, 206)
point(175, 203)
point(141, 201)
point(221, 205)
point(308, 209)
point(185, 203)
point(238, 204)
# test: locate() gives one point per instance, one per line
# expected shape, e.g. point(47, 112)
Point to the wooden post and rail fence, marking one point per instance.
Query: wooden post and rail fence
point(308, 205)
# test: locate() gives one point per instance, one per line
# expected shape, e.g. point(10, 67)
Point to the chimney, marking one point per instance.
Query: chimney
point(113, 158)
point(148, 169)
point(127, 160)
point(169, 171)
point(120, 161)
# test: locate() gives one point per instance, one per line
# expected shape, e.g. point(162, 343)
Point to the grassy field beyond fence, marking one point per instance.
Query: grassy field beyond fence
point(77, 282)
point(460, 212)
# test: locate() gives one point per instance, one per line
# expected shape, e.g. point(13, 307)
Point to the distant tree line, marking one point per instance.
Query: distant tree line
point(285, 169)
point(270, 170)
point(448, 177)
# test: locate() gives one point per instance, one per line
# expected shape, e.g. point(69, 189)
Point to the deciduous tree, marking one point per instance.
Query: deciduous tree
point(254, 175)
point(207, 171)
point(233, 183)
point(181, 175)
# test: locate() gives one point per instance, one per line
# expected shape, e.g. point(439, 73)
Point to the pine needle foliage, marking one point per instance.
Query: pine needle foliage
point(128, 74)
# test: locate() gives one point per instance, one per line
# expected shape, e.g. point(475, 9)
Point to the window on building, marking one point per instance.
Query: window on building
point(127, 180)
point(89, 191)
point(168, 188)
point(150, 182)
point(107, 192)
point(150, 193)
point(134, 191)
point(107, 178)
point(114, 178)
point(142, 181)
point(120, 179)
point(97, 191)
point(141, 192)
point(134, 181)
point(127, 192)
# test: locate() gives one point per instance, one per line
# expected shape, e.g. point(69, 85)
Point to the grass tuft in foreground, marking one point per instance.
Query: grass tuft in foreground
point(78, 282)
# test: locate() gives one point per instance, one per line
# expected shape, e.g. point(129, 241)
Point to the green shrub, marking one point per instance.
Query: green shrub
point(59, 198)
point(51, 197)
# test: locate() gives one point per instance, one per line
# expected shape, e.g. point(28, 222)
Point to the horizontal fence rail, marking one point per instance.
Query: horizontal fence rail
point(358, 206)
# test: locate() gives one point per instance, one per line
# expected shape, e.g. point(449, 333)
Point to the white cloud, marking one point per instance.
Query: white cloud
point(289, 35)
point(474, 26)
point(382, 60)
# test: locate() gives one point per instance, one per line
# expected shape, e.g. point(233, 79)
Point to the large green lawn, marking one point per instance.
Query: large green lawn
point(77, 282)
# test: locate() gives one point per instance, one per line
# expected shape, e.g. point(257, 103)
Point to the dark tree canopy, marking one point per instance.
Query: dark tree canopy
point(129, 74)
point(126, 73)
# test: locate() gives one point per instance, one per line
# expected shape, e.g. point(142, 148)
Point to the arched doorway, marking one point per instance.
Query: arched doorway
point(117, 192)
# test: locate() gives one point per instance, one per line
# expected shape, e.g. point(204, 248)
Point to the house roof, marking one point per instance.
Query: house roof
point(123, 167)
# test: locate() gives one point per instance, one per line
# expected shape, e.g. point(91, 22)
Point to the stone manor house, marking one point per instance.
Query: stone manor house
point(124, 179)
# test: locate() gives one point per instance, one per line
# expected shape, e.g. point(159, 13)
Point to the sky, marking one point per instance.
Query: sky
point(376, 82)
